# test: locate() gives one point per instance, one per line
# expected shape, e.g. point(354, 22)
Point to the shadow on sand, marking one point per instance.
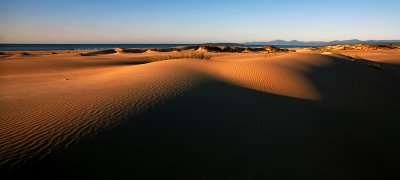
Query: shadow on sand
point(221, 131)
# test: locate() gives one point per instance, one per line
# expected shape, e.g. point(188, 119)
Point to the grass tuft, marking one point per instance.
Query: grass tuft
point(193, 55)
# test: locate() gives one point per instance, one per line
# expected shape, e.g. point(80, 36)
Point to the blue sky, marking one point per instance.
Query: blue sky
point(184, 21)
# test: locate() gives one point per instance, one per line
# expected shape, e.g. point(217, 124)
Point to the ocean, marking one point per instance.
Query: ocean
point(23, 47)
point(26, 47)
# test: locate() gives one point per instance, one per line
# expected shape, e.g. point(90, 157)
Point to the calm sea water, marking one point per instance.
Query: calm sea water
point(22, 47)
point(82, 46)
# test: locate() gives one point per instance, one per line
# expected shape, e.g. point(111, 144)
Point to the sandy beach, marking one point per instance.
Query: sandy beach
point(232, 116)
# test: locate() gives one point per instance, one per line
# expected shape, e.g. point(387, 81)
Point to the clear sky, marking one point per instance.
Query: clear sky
point(199, 21)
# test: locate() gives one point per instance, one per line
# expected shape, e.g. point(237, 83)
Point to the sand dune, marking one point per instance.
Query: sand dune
point(50, 105)
point(376, 55)
point(108, 95)
point(205, 48)
point(238, 49)
point(56, 115)
point(359, 47)
point(277, 75)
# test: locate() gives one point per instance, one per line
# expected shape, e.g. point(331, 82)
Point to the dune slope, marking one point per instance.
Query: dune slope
point(297, 115)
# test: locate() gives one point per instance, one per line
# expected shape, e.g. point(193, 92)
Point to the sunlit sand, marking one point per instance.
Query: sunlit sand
point(64, 108)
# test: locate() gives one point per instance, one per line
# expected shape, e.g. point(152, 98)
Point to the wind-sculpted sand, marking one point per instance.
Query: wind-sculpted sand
point(51, 105)
point(59, 108)
point(391, 57)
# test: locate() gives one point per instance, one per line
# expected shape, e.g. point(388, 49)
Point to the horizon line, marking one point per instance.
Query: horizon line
point(192, 42)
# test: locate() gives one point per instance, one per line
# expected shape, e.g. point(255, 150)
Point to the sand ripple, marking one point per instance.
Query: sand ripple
point(46, 115)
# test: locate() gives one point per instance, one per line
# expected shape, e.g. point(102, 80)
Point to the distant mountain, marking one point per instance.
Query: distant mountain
point(322, 43)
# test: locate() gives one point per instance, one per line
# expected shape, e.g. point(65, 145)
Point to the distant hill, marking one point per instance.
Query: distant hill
point(323, 43)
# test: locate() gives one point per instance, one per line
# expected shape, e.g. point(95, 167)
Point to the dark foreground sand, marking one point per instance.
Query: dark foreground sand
point(296, 115)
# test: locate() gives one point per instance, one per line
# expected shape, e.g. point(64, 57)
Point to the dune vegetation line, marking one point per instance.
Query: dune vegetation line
point(193, 55)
